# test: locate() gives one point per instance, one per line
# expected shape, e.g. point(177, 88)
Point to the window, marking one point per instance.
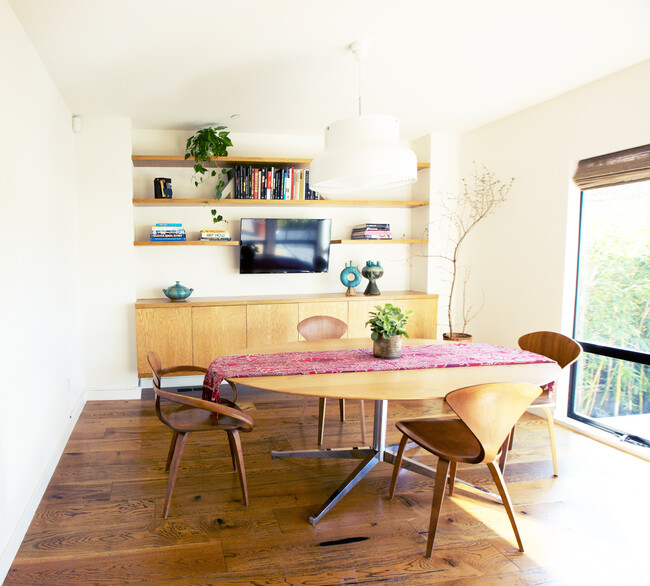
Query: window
point(610, 386)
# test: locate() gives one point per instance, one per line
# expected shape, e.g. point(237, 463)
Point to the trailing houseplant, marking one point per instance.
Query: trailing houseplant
point(388, 325)
point(206, 143)
point(481, 194)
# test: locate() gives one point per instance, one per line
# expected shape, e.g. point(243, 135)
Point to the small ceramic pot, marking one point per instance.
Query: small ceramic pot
point(177, 292)
point(457, 337)
point(387, 348)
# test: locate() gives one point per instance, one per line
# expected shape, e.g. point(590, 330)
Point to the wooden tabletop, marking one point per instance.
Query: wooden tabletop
point(426, 383)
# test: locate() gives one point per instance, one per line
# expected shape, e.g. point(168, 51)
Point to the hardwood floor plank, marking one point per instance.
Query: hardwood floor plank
point(100, 520)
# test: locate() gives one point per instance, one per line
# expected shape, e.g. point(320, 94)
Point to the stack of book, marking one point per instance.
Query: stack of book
point(167, 232)
point(215, 235)
point(272, 183)
point(372, 232)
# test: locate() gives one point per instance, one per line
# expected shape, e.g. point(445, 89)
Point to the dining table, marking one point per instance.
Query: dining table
point(405, 381)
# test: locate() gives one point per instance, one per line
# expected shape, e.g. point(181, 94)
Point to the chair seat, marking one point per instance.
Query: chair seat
point(448, 438)
point(195, 419)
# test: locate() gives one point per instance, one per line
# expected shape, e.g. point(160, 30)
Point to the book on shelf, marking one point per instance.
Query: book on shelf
point(372, 235)
point(371, 226)
point(286, 183)
point(169, 238)
point(168, 225)
point(215, 235)
point(164, 231)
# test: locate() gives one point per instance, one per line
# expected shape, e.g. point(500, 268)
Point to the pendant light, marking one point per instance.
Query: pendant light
point(362, 153)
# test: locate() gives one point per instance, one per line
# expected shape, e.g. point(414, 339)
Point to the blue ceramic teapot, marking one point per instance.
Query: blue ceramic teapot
point(177, 292)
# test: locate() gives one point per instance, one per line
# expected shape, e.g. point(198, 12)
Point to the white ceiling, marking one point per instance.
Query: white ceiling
point(283, 66)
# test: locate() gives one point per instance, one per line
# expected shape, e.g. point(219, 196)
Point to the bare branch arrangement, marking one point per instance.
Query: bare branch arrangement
point(481, 194)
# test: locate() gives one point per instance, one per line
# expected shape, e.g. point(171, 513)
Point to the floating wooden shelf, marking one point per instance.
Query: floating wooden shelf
point(382, 241)
point(187, 243)
point(162, 202)
point(180, 161)
point(236, 242)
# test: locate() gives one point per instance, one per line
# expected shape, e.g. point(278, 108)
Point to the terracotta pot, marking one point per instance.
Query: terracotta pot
point(456, 337)
point(387, 348)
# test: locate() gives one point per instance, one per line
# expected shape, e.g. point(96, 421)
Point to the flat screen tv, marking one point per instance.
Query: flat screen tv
point(284, 245)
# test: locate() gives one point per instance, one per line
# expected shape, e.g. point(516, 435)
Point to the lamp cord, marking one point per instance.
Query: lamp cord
point(359, 76)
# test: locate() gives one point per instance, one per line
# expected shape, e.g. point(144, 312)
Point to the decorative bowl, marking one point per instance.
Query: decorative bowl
point(177, 292)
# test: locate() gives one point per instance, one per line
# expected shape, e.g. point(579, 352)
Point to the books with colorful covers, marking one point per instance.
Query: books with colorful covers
point(215, 235)
point(372, 235)
point(167, 232)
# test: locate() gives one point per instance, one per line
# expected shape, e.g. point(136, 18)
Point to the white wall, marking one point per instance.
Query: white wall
point(104, 180)
point(518, 255)
point(42, 388)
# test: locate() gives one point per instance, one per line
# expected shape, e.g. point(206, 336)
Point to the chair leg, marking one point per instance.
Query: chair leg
point(170, 454)
point(551, 437)
point(505, 498)
point(397, 465)
point(233, 437)
point(305, 402)
point(176, 462)
point(512, 437)
point(362, 421)
point(342, 409)
point(233, 449)
point(436, 505)
point(503, 454)
point(322, 402)
point(452, 476)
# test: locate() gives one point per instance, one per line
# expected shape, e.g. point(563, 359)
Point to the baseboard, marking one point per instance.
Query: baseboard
point(123, 394)
point(18, 534)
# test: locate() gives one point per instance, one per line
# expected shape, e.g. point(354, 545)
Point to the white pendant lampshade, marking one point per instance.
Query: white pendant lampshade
point(362, 153)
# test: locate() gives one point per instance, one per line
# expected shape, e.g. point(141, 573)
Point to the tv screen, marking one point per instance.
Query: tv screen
point(284, 245)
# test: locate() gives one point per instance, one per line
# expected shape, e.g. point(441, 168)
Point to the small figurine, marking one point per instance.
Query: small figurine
point(350, 277)
point(372, 272)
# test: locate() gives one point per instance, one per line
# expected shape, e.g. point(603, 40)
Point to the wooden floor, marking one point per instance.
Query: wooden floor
point(100, 519)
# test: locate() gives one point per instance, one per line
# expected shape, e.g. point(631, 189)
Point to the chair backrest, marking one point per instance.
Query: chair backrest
point(562, 349)
point(322, 327)
point(491, 410)
point(156, 374)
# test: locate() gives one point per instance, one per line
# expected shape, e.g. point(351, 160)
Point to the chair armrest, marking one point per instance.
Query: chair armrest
point(183, 368)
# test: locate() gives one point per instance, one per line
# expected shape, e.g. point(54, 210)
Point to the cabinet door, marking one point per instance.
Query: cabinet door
point(168, 332)
point(219, 330)
point(423, 318)
point(338, 309)
point(269, 323)
point(358, 314)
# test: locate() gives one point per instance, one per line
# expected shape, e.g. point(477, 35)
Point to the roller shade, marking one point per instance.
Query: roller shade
point(614, 169)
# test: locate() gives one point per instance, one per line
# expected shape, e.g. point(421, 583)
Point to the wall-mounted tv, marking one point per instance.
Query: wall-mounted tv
point(284, 245)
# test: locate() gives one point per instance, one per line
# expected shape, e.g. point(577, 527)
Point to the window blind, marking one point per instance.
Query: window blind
point(614, 169)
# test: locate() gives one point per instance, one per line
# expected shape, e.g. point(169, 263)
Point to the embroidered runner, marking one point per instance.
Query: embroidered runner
point(360, 360)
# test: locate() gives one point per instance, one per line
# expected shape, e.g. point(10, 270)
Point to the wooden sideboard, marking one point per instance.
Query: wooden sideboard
point(196, 331)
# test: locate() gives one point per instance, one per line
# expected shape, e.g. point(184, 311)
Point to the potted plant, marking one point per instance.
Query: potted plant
point(388, 325)
point(206, 143)
point(480, 196)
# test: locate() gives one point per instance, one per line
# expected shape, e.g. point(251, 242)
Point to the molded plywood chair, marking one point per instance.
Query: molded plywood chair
point(486, 414)
point(197, 415)
point(565, 351)
point(325, 327)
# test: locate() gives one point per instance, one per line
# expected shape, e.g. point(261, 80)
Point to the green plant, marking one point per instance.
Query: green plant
point(202, 146)
point(388, 321)
point(216, 218)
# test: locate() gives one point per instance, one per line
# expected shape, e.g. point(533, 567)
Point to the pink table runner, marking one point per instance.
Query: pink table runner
point(360, 360)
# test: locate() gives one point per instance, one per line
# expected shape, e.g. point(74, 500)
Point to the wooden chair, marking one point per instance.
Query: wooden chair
point(486, 414)
point(197, 415)
point(565, 351)
point(325, 327)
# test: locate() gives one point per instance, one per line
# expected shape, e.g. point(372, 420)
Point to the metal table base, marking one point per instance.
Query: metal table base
point(370, 457)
